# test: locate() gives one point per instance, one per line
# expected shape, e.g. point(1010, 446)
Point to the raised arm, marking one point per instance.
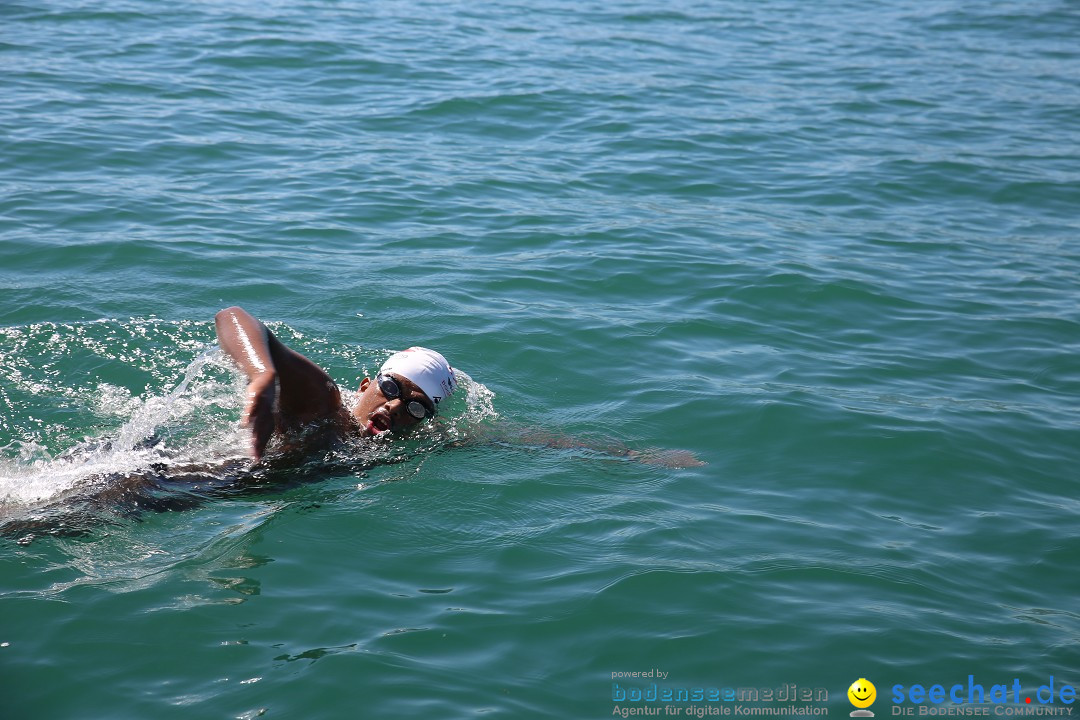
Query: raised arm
point(285, 389)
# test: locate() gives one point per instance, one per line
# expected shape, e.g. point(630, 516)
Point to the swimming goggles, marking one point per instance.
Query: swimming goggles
point(390, 389)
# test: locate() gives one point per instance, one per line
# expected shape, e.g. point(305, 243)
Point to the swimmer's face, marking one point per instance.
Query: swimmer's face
point(377, 413)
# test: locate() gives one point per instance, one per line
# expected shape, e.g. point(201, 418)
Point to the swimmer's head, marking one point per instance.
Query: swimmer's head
point(409, 387)
point(427, 369)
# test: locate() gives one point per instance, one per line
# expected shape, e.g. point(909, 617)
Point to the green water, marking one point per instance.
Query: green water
point(830, 249)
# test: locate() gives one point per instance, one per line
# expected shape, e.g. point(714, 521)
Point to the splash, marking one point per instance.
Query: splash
point(194, 421)
point(59, 432)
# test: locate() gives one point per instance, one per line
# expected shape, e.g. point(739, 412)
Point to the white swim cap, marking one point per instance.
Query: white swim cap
point(426, 368)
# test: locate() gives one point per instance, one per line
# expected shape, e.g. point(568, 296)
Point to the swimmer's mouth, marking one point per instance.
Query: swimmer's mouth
point(378, 423)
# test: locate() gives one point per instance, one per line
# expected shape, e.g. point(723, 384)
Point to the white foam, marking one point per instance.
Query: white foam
point(194, 420)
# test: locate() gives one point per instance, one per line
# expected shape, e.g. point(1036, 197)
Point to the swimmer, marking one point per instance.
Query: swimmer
point(290, 396)
point(292, 399)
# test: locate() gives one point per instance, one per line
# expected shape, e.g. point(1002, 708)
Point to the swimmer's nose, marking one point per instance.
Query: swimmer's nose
point(395, 407)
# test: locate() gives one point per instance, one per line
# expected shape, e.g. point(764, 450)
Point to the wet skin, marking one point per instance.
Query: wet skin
point(287, 393)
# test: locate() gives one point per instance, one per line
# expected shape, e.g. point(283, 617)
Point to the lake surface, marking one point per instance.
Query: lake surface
point(831, 250)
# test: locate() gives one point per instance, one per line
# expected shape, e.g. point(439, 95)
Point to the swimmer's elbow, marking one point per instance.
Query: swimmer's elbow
point(231, 317)
point(228, 312)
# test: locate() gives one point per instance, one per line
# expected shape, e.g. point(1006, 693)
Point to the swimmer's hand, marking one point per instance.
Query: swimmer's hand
point(262, 412)
point(666, 458)
point(546, 438)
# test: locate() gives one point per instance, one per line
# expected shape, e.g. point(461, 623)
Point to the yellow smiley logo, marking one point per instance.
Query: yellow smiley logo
point(862, 693)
